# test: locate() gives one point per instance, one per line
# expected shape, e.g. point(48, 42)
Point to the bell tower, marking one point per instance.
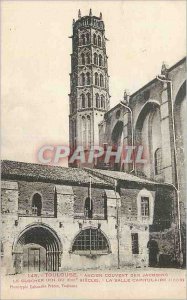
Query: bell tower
point(89, 81)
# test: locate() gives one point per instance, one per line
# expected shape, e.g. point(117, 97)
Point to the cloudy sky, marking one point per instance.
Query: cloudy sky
point(36, 61)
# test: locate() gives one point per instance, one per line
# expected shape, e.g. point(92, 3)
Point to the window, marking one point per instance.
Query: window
point(101, 80)
point(96, 79)
point(82, 59)
point(95, 39)
point(37, 204)
point(88, 78)
point(102, 101)
point(99, 41)
point(95, 59)
point(83, 100)
point(88, 208)
point(145, 207)
point(83, 39)
point(158, 161)
point(82, 79)
point(87, 38)
point(89, 99)
point(88, 58)
point(90, 241)
point(135, 246)
point(97, 100)
point(100, 60)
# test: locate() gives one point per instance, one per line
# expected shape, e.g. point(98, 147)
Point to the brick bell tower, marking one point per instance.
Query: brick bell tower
point(89, 96)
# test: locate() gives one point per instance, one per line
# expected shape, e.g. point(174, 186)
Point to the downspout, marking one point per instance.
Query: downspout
point(177, 189)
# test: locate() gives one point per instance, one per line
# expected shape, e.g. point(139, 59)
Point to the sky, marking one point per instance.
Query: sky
point(35, 62)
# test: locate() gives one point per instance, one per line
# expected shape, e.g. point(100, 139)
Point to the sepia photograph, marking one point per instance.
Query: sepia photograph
point(93, 160)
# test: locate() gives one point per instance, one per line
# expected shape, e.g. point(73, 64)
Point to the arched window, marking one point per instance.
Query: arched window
point(87, 38)
point(82, 79)
point(95, 59)
point(96, 79)
point(82, 59)
point(101, 80)
point(99, 41)
point(158, 161)
point(83, 100)
point(36, 204)
point(100, 60)
point(89, 99)
point(88, 58)
point(95, 39)
point(88, 78)
point(90, 241)
point(83, 39)
point(102, 101)
point(84, 131)
point(88, 208)
point(97, 100)
point(89, 131)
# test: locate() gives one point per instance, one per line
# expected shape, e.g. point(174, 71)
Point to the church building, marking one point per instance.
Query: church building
point(103, 215)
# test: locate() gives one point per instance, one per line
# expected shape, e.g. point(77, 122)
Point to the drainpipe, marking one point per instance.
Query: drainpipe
point(117, 222)
point(165, 80)
point(132, 133)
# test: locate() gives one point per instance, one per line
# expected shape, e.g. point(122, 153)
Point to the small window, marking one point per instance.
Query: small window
point(95, 39)
point(97, 100)
point(101, 80)
point(158, 161)
point(88, 208)
point(37, 204)
point(90, 241)
point(145, 207)
point(102, 101)
point(135, 245)
point(99, 41)
point(88, 78)
point(95, 59)
point(88, 58)
point(83, 59)
point(83, 100)
point(82, 79)
point(83, 39)
point(96, 79)
point(89, 99)
point(87, 38)
point(100, 60)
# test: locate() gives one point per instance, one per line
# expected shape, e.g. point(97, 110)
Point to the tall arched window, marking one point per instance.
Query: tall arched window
point(101, 80)
point(95, 39)
point(88, 78)
point(88, 208)
point(89, 99)
point(97, 100)
point(36, 204)
point(158, 161)
point(87, 38)
point(95, 59)
point(99, 41)
point(88, 58)
point(89, 131)
point(100, 60)
point(102, 101)
point(82, 59)
point(82, 79)
point(96, 79)
point(90, 241)
point(83, 39)
point(83, 100)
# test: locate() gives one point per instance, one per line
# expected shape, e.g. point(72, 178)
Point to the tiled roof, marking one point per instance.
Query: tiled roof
point(29, 171)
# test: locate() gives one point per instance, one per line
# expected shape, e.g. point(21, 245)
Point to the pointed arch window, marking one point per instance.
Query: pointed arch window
point(100, 60)
point(88, 58)
point(88, 78)
point(102, 101)
point(83, 101)
point(95, 59)
point(97, 100)
point(83, 39)
point(89, 99)
point(37, 204)
point(82, 59)
point(158, 161)
point(90, 241)
point(82, 79)
point(95, 39)
point(96, 79)
point(99, 41)
point(101, 80)
point(87, 38)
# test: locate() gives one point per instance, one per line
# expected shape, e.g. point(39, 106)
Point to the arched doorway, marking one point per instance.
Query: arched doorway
point(37, 249)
